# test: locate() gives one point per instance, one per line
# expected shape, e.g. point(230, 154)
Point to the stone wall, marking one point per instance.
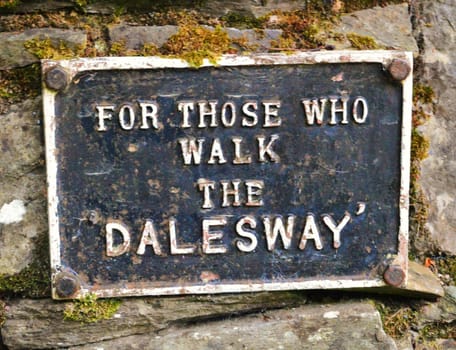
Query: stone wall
point(317, 320)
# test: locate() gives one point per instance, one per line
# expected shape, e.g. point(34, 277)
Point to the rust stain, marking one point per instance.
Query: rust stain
point(209, 276)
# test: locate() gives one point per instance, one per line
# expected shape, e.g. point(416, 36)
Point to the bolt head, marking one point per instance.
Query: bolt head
point(66, 285)
point(56, 78)
point(394, 275)
point(399, 69)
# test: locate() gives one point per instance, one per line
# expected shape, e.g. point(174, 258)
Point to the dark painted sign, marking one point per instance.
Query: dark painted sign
point(261, 173)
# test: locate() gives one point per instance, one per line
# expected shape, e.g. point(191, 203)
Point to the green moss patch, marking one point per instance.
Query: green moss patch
point(46, 48)
point(194, 43)
point(89, 309)
point(300, 29)
point(19, 84)
point(362, 42)
point(34, 280)
point(423, 99)
point(8, 3)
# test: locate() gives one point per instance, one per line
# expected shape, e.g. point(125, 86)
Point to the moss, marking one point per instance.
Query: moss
point(149, 49)
point(423, 99)
point(242, 21)
point(194, 43)
point(287, 45)
point(82, 4)
point(118, 48)
point(8, 4)
point(34, 280)
point(446, 266)
point(46, 48)
point(2, 313)
point(89, 309)
point(423, 93)
point(362, 42)
point(300, 29)
point(439, 330)
point(397, 318)
point(355, 5)
point(19, 84)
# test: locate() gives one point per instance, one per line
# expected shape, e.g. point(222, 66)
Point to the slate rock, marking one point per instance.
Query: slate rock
point(13, 53)
point(259, 41)
point(421, 280)
point(352, 325)
point(437, 23)
point(255, 8)
point(390, 26)
point(22, 180)
point(135, 37)
point(38, 324)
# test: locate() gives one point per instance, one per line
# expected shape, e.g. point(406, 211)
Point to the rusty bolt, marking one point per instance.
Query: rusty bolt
point(56, 78)
point(399, 69)
point(66, 284)
point(394, 275)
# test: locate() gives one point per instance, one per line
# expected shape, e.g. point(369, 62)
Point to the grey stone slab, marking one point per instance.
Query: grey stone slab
point(250, 7)
point(23, 185)
point(13, 53)
point(135, 37)
point(437, 29)
point(422, 280)
point(390, 26)
point(38, 324)
point(352, 325)
point(259, 41)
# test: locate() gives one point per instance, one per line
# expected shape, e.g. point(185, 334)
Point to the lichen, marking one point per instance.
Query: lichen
point(89, 309)
point(362, 42)
point(46, 48)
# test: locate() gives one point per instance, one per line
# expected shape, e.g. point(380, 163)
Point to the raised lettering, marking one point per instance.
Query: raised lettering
point(310, 232)
point(336, 229)
point(264, 150)
point(191, 153)
point(314, 111)
point(102, 116)
point(271, 117)
point(149, 237)
point(242, 245)
point(209, 236)
point(149, 110)
point(278, 228)
point(121, 248)
point(185, 249)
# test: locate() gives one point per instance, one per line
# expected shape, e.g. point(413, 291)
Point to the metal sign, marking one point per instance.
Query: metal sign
point(264, 172)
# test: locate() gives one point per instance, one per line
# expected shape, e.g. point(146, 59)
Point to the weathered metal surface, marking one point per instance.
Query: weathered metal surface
point(165, 179)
